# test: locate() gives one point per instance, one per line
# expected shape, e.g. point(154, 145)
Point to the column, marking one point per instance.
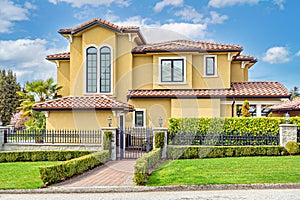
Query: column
point(113, 142)
point(287, 132)
point(2, 129)
point(164, 149)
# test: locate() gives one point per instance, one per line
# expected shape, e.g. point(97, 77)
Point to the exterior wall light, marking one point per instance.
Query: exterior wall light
point(109, 121)
point(287, 118)
point(160, 121)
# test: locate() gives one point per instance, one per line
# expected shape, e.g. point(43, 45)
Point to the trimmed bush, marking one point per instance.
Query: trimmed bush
point(107, 139)
point(195, 152)
point(144, 165)
point(56, 173)
point(159, 139)
point(32, 156)
point(292, 147)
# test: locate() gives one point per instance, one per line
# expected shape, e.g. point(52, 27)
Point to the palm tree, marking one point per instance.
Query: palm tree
point(295, 92)
point(35, 92)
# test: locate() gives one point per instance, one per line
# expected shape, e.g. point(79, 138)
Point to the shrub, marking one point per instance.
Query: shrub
point(195, 152)
point(107, 139)
point(292, 147)
point(144, 165)
point(23, 156)
point(159, 139)
point(59, 172)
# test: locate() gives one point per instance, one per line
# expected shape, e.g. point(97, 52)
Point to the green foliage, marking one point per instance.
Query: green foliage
point(245, 109)
point(263, 126)
point(9, 100)
point(56, 173)
point(143, 166)
point(292, 147)
point(159, 139)
point(194, 152)
point(36, 92)
point(107, 139)
point(21, 156)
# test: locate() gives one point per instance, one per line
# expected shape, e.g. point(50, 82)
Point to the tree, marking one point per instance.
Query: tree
point(9, 100)
point(245, 109)
point(35, 92)
point(295, 92)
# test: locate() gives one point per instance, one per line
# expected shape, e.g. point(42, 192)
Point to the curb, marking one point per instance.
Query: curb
point(122, 189)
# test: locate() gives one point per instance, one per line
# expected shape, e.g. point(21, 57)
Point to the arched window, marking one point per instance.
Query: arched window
point(105, 70)
point(91, 70)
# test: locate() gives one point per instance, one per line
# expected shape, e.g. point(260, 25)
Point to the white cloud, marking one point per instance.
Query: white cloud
point(277, 55)
point(160, 5)
point(216, 18)
point(225, 3)
point(80, 3)
point(27, 58)
point(10, 12)
point(298, 53)
point(189, 14)
point(187, 29)
point(279, 3)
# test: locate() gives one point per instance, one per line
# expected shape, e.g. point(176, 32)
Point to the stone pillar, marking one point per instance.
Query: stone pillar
point(2, 129)
point(113, 143)
point(287, 132)
point(164, 149)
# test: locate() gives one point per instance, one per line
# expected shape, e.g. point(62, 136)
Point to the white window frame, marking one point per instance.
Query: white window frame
point(144, 117)
point(98, 69)
point(215, 67)
point(160, 72)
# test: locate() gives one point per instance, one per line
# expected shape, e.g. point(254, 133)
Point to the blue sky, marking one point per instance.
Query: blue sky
point(267, 29)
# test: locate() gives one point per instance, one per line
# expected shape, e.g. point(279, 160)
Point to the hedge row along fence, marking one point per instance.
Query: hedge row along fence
point(264, 126)
point(143, 166)
point(32, 156)
point(195, 152)
point(59, 172)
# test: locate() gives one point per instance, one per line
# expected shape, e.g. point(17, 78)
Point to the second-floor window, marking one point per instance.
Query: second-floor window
point(172, 70)
point(98, 70)
point(210, 65)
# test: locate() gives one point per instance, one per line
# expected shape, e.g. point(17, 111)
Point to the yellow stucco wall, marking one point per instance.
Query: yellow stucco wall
point(63, 77)
point(79, 119)
point(238, 74)
point(142, 72)
point(225, 110)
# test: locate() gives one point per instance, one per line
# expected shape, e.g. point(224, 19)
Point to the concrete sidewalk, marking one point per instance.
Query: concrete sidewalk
point(113, 173)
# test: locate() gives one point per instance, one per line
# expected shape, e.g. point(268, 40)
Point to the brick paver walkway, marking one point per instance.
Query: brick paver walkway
point(113, 173)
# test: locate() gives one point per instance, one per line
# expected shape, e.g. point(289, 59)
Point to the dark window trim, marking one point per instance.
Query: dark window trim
point(100, 65)
point(87, 63)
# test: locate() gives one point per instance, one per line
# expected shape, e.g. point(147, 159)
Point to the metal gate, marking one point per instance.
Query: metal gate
point(132, 143)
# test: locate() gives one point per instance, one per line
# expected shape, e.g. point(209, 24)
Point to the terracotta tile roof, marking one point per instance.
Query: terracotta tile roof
point(238, 89)
point(242, 57)
point(99, 102)
point(186, 46)
point(59, 56)
point(99, 22)
point(287, 105)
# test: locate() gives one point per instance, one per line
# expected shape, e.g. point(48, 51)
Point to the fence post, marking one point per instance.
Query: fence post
point(287, 132)
point(2, 136)
point(164, 150)
point(113, 143)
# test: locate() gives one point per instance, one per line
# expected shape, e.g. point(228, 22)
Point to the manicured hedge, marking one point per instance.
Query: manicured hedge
point(194, 152)
point(56, 173)
point(159, 139)
point(32, 156)
point(143, 166)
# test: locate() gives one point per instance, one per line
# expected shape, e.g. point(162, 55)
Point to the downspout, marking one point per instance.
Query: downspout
point(232, 107)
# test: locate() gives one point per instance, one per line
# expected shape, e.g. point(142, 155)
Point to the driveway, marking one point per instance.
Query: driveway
point(113, 173)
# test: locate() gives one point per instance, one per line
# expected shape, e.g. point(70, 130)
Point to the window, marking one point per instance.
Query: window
point(105, 70)
point(172, 70)
point(139, 118)
point(91, 70)
point(210, 65)
point(98, 70)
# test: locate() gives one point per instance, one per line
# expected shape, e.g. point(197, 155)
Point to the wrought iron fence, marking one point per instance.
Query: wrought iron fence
point(298, 135)
point(54, 136)
point(222, 139)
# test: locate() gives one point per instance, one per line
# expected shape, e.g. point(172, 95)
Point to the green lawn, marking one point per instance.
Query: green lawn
point(243, 170)
point(21, 175)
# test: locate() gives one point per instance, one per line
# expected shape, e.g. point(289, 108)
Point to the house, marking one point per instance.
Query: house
point(292, 107)
point(111, 71)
